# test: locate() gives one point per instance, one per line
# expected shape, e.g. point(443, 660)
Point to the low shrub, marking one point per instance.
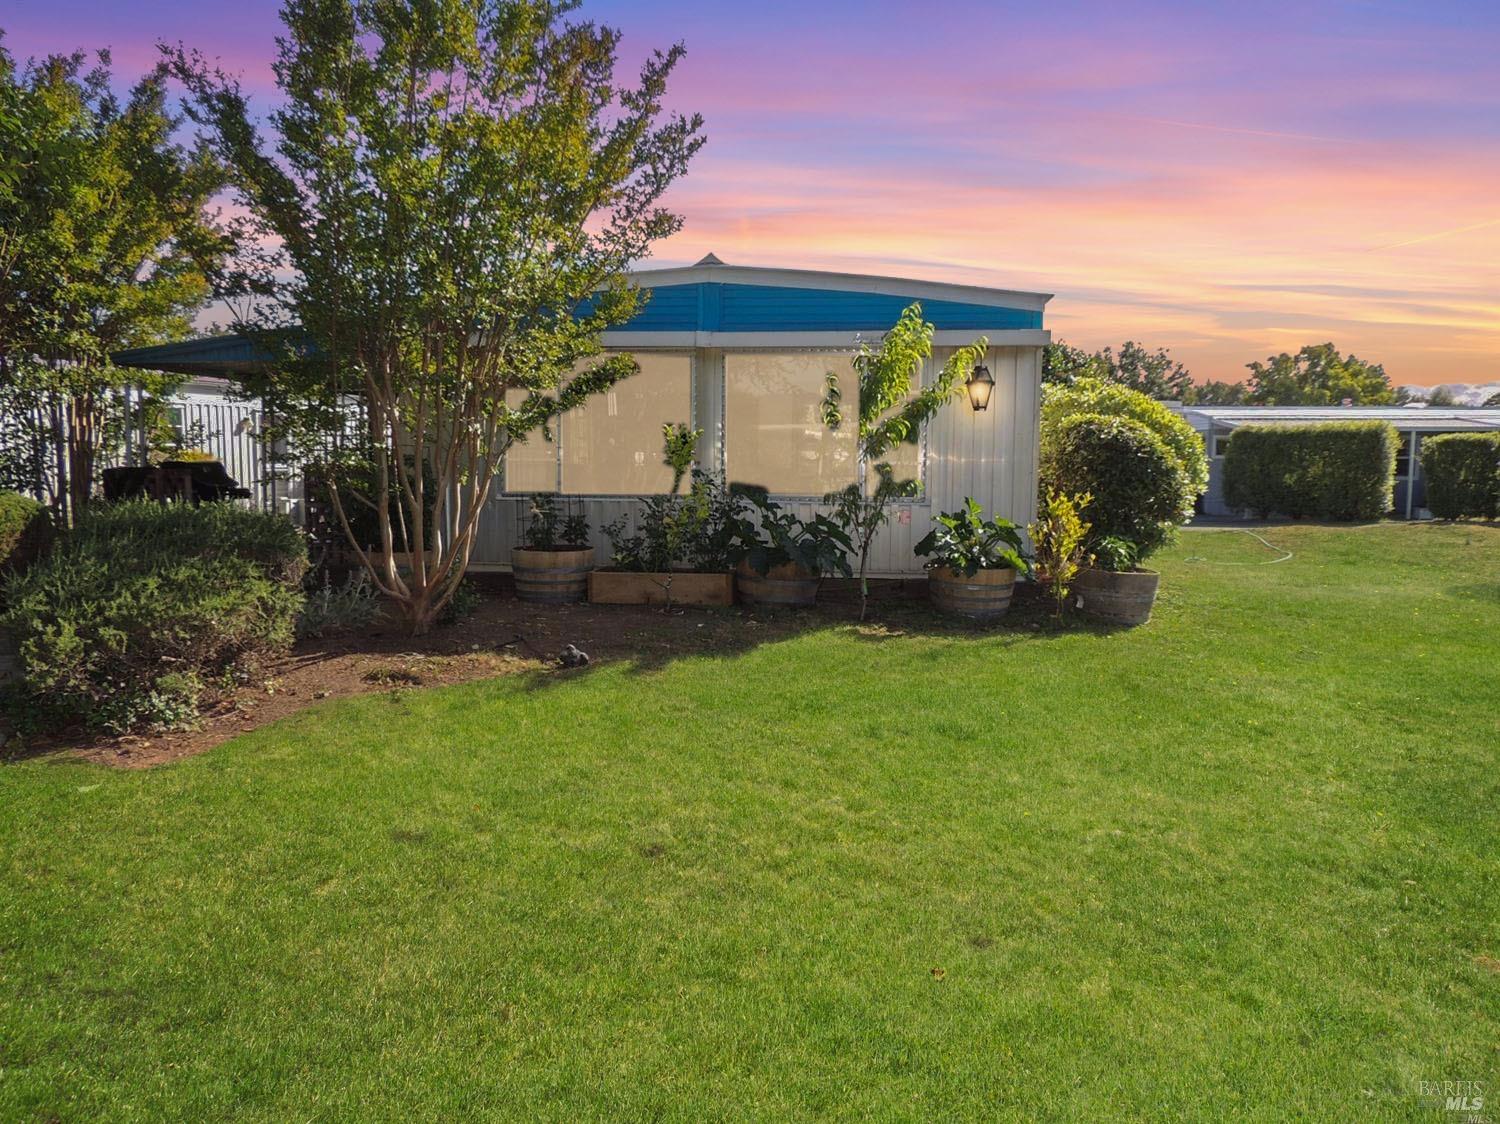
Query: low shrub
point(1135, 485)
point(145, 608)
point(697, 531)
point(1462, 471)
point(346, 607)
point(25, 532)
point(1092, 396)
point(1337, 471)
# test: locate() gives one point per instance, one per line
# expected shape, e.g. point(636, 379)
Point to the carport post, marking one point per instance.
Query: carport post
point(1411, 470)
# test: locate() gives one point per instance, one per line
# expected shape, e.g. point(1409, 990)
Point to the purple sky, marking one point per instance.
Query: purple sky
point(1226, 180)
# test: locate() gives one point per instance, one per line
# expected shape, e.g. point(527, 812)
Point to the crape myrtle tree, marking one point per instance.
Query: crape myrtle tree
point(107, 241)
point(454, 192)
point(892, 407)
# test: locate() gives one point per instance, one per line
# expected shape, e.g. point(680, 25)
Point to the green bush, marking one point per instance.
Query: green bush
point(144, 607)
point(1136, 487)
point(25, 532)
point(1462, 471)
point(1340, 471)
point(1091, 396)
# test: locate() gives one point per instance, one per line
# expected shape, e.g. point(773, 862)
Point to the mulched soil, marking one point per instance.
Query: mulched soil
point(504, 636)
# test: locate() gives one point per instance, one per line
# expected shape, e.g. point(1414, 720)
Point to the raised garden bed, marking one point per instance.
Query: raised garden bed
point(634, 587)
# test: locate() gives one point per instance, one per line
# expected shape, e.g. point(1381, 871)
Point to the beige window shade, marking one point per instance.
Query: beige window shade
point(530, 465)
point(612, 445)
point(774, 432)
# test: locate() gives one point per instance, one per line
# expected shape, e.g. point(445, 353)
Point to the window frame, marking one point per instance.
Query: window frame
point(862, 476)
point(695, 361)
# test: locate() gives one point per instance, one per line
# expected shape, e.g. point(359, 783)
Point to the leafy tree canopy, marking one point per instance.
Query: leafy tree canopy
point(1154, 373)
point(454, 192)
point(1319, 375)
point(106, 241)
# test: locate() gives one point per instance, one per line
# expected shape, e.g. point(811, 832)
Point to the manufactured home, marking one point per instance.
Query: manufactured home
point(1216, 425)
point(742, 354)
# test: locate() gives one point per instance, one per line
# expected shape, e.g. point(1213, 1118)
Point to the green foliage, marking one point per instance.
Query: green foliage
point(548, 529)
point(1215, 392)
point(777, 537)
point(1318, 375)
point(107, 241)
point(347, 607)
point(1090, 396)
point(1134, 481)
point(143, 604)
point(1462, 471)
point(697, 531)
point(1153, 373)
point(1059, 538)
point(1111, 552)
point(453, 195)
point(1341, 470)
point(356, 484)
point(26, 532)
point(892, 408)
point(966, 542)
point(464, 603)
point(679, 447)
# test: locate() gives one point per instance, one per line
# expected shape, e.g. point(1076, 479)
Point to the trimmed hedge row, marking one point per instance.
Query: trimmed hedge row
point(144, 608)
point(1462, 471)
point(1339, 471)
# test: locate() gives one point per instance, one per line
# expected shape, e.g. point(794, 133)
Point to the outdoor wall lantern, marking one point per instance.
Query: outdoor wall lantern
point(980, 385)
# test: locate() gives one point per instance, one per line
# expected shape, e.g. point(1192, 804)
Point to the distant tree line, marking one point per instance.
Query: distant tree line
point(1317, 375)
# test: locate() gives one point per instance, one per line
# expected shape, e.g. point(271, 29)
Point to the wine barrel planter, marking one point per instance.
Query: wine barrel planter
point(1123, 597)
point(631, 587)
point(786, 584)
point(552, 577)
point(983, 596)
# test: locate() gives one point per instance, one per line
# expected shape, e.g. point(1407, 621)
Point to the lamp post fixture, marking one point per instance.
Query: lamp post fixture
point(980, 385)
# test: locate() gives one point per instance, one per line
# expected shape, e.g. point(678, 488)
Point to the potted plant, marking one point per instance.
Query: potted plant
point(782, 559)
point(679, 553)
point(1139, 492)
point(973, 562)
point(553, 563)
point(1114, 587)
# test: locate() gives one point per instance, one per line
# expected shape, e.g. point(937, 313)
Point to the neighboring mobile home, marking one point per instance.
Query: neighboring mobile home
point(742, 354)
point(1217, 424)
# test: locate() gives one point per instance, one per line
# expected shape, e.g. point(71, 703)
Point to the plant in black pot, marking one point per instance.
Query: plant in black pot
point(553, 563)
point(972, 562)
point(783, 558)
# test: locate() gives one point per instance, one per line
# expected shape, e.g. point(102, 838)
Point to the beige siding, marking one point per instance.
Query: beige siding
point(991, 456)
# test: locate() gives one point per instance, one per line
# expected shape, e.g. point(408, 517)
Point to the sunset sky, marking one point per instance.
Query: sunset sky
point(1224, 180)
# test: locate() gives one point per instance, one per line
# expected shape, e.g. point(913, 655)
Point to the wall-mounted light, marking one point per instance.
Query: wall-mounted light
point(980, 385)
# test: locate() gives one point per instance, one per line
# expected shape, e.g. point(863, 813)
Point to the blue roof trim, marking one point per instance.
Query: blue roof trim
point(718, 307)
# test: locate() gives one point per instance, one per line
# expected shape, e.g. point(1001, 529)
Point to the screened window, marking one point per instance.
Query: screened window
point(1221, 443)
point(530, 465)
point(612, 445)
point(773, 428)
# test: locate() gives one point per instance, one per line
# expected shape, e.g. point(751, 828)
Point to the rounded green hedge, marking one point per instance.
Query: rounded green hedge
point(25, 532)
point(145, 607)
point(1092, 396)
point(1462, 471)
point(1338, 471)
point(1135, 483)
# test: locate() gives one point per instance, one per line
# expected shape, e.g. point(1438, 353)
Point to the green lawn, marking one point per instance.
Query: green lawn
point(1239, 863)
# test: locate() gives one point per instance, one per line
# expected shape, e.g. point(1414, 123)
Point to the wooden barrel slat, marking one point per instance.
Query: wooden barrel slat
point(1119, 598)
point(984, 596)
point(552, 577)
